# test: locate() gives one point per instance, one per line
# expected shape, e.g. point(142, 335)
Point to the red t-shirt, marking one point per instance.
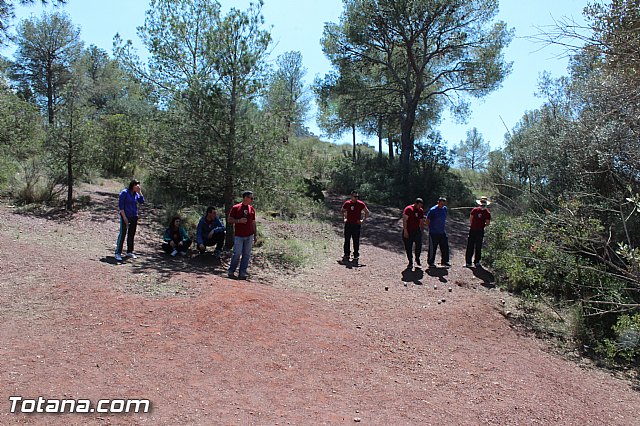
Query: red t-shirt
point(239, 211)
point(415, 216)
point(479, 217)
point(354, 210)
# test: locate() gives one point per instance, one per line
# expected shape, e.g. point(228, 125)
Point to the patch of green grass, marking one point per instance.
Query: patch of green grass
point(294, 244)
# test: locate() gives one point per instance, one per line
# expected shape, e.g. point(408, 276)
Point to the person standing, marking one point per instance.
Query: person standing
point(176, 239)
point(479, 219)
point(352, 212)
point(210, 232)
point(412, 229)
point(128, 211)
point(436, 220)
point(243, 217)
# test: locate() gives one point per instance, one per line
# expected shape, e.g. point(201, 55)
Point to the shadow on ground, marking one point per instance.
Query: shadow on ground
point(488, 280)
point(439, 273)
point(413, 276)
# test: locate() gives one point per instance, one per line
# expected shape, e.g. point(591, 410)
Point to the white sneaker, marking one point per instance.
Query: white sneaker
point(132, 255)
point(118, 257)
point(468, 265)
point(174, 252)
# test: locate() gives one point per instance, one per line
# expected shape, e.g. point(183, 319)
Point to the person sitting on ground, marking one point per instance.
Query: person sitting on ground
point(176, 239)
point(210, 232)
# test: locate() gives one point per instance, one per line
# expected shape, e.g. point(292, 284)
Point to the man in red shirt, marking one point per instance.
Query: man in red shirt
point(480, 218)
point(412, 229)
point(352, 211)
point(243, 217)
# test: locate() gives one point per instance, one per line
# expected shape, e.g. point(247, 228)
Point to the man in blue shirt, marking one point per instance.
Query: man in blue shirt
point(210, 232)
point(128, 213)
point(436, 220)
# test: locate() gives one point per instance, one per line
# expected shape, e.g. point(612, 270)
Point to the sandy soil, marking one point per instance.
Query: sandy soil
point(334, 344)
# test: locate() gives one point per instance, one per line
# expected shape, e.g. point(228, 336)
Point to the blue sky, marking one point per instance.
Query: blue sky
point(298, 25)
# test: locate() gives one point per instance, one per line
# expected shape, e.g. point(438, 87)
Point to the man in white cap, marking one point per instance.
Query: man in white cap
point(480, 218)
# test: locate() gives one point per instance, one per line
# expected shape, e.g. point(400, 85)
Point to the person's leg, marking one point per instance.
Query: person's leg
point(418, 242)
point(444, 248)
point(237, 252)
point(478, 248)
point(246, 256)
point(122, 234)
point(431, 255)
point(355, 234)
point(347, 240)
point(408, 243)
point(471, 243)
point(218, 239)
point(185, 245)
point(166, 247)
point(133, 226)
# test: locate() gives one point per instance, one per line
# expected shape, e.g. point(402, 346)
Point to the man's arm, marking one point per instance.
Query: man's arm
point(200, 233)
point(366, 212)
point(405, 232)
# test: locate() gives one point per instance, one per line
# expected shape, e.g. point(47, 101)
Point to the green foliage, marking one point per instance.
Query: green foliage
point(563, 254)
point(33, 184)
point(286, 100)
point(626, 344)
point(7, 14)
point(122, 144)
point(47, 48)
point(382, 181)
point(473, 152)
point(21, 135)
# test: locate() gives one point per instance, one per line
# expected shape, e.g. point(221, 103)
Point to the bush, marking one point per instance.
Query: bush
point(549, 256)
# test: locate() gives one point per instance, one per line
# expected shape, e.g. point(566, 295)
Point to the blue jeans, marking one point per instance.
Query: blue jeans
point(241, 247)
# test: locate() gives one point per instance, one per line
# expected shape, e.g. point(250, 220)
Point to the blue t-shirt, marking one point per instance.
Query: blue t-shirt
point(437, 218)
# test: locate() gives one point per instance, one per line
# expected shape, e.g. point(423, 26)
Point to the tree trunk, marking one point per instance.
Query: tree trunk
point(391, 153)
point(406, 139)
point(406, 148)
point(380, 138)
point(230, 165)
point(50, 93)
point(69, 180)
point(353, 133)
point(69, 205)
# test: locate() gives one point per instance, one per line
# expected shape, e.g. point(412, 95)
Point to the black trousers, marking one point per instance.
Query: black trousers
point(352, 231)
point(435, 241)
point(474, 245)
point(128, 232)
point(184, 247)
point(415, 237)
point(217, 240)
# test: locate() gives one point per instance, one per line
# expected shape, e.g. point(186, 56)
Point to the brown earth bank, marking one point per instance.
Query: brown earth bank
point(333, 344)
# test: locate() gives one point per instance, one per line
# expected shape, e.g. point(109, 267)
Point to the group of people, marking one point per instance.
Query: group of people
point(414, 221)
point(210, 231)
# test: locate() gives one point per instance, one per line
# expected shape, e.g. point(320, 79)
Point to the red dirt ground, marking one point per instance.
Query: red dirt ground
point(327, 346)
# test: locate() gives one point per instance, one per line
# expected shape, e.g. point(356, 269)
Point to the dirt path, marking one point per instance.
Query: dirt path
point(328, 346)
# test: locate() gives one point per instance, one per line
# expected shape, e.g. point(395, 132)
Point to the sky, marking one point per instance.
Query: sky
point(297, 25)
